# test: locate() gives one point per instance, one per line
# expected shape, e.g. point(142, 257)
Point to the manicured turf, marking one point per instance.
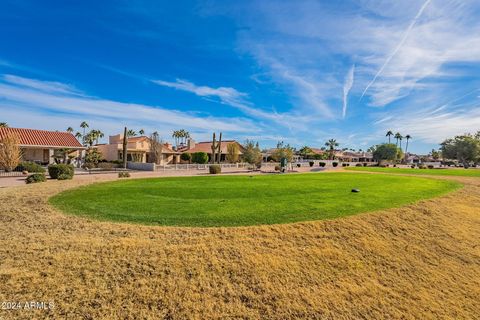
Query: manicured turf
point(244, 200)
point(472, 172)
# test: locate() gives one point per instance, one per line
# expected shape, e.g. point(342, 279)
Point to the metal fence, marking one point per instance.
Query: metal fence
point(195, 166)
point(13, 173)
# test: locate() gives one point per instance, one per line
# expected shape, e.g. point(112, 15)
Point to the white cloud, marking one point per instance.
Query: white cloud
point(402, 45)
point(346, 89)
point(224, 93)
point(436, 123)
point(232, 97)
point(45, 86)
point(47, 98)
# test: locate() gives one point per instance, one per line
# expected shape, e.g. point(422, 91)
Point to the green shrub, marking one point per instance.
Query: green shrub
point(344, 164)
point(430, 166)
point(322, 164)
point(365, 164)
point(65, 176)
point(55, 170)
point(124, 174)
point(412, 166)
point(422, 166)
point(358, 165)
point(334, 164)
point(299, 165)
point(30, 167)
point(36, 177)
point(186, 156)
point(199, 157)
point(215, 169)
point(277, 168)
point(311, 163)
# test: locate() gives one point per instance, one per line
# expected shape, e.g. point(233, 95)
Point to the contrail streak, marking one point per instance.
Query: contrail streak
point(346, 89)
point(400, 44)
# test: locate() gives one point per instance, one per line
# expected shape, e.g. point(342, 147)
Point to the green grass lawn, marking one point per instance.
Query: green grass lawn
point(460, 172)
point(242, 200)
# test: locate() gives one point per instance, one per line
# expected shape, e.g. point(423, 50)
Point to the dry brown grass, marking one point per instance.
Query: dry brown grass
point(420, 261)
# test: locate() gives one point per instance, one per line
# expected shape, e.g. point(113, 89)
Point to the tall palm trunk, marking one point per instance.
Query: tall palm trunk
point(406, 149)
point(125, 148)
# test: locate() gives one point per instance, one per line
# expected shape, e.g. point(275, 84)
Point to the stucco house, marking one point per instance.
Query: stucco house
point(206, 146)
point(43, 146)
point(138, 150)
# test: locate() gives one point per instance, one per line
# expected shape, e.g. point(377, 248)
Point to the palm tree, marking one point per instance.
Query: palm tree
point(183, 135)
point(131, 133)
point(78, 135)
point(389, 134)
point(97, 134)
point(141, 132)
point(331, 144)
point(69, 129)
point(398, 136)
point(84, 125)
point(3, 125)
point(407, 137)
point(176, 135)
point(89, 138)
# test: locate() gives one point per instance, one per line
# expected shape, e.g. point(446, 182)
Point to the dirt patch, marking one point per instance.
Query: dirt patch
point(419, 261)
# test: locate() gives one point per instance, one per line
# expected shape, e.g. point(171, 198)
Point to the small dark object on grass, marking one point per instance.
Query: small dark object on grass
point(355, 190)
point(124, 175)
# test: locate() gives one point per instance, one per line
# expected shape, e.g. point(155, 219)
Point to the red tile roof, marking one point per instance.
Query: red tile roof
point(318, 151)
point(33, 137)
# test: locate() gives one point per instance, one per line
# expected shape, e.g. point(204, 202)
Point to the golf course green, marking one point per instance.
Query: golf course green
point(243, 200)
point(458, 172)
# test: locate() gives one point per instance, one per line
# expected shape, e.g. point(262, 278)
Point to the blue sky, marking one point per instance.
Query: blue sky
point(298, 71)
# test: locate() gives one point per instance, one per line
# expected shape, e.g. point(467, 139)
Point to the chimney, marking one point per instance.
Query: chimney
point(190, 143)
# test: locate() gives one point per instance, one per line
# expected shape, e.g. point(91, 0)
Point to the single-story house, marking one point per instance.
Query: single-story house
point(43, 146)
point(138, 150)
point(206, 146)
point(354, 156)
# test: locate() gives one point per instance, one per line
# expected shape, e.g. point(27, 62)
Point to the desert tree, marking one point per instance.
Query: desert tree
point(252, 153)
point(305, 151)
point(156, 147)
point(233, 152)
point(10, 152)
point(283, 151)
